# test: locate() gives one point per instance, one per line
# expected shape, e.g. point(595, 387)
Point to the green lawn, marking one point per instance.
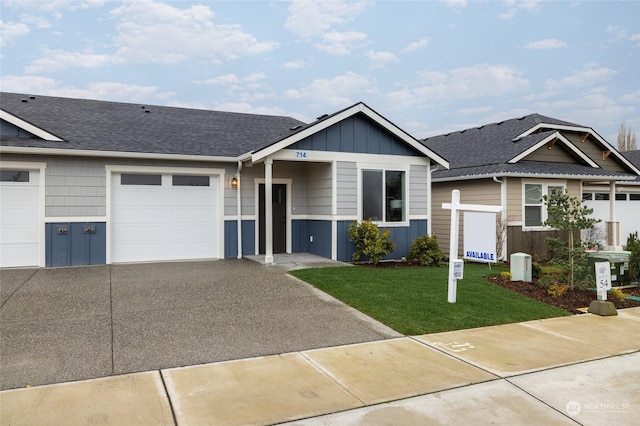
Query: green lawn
point(413, 301)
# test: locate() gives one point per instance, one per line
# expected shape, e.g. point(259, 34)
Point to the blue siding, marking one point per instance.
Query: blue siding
point(81, 244)
point(356, 134)
point(231, 238)
point(402, 236)
point(302, 230)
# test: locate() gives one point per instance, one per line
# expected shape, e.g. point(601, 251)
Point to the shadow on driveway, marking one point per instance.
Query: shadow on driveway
point(64, 324)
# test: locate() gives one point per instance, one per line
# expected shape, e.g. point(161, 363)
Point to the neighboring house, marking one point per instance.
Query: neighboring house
point(93, 182)
point(627, 203)
point(513, 164)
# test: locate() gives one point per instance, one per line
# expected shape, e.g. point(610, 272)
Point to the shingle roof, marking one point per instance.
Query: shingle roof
point(634, 158)
point(485, 151)
point(124, 127)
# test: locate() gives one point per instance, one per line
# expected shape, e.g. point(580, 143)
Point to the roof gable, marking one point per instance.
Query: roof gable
point(360, 115)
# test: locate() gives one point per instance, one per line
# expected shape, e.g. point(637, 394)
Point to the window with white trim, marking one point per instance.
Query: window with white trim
point(535, 211)
point(384, 195)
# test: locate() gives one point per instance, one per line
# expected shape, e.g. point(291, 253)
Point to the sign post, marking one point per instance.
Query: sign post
point(456, 208)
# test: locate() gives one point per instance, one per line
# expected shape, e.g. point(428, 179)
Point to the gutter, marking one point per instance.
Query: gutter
point(239, 210)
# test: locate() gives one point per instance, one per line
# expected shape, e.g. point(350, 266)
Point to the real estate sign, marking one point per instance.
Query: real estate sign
point(480, 236)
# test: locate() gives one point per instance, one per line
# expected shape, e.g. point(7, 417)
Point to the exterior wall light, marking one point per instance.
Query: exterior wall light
point(234, 182)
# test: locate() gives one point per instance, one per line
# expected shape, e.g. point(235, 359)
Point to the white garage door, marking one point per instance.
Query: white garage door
point(164, 217)
point(19, 222)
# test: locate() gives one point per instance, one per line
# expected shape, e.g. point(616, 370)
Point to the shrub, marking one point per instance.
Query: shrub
point(505, 275)
point(633, 245)
point(548, 280)
point(557, 290)
point(536, 270)
point(617, 293)
point(370, 242)
point(426, 251)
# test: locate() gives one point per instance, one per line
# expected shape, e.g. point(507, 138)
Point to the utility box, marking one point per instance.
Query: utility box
point(521, 267)
point(619, 261)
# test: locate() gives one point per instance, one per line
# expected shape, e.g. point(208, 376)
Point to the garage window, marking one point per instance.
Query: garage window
point(634, 197)
point(14, 176)
point(187, 180)
point(136, 179)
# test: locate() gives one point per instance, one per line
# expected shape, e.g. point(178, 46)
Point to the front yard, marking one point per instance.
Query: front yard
point(413, 300)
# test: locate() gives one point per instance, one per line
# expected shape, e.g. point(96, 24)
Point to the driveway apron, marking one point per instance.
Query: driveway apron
point(66, 324)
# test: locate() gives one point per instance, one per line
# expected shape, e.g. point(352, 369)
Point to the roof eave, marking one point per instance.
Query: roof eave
point(114, 154)
point(28, 127)
point(531, 175)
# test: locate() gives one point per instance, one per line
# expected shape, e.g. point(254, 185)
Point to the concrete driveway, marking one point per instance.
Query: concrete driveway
point(65, 324)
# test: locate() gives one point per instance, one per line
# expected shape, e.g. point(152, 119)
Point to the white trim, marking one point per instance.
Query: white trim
point(325, 217)
point(533, 176)
point(114, 154)
point(429, 199)
point(545, 183)
point(28, 127)
point(566, 142)
point(355, 109)
point(117, 168)
point(334, 188)
point(330, 156)
point(75, 219)
point(256, 184)
point(40, 167)
point(418, 217)
point(360, 166)
point(334, 240)
point(587, 130)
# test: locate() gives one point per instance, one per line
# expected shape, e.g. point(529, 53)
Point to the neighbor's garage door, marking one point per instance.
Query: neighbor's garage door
point(19, 222)
point(164, 217)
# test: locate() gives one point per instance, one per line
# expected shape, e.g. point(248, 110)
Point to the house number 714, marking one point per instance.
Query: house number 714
point(301, 154)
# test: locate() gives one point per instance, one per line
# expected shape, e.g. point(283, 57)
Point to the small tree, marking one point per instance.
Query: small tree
point(633, 245)
point(627, 138)
point(370, 241)
point(567, 213)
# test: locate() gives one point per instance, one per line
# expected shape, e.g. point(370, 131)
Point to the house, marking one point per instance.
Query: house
point(513, 164)
point(94, 182)
point(627, 203)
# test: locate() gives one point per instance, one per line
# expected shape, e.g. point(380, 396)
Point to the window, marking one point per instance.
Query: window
point(602, 196)
point(587, 196)
point(384, 195)
point(14, 176)
point(621, 197)
point(535, 211)
point(184, 180)
point(131, 179)
point(634, 197)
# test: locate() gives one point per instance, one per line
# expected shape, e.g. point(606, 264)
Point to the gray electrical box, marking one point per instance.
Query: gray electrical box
point(521, 267)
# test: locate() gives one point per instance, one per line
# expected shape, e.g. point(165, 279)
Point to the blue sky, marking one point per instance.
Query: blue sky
point(431, 67)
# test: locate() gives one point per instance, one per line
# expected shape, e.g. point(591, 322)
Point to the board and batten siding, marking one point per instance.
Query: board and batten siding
point(418, 190)
point(347, 191)
point(558, 153)
point(482, 191)
point(594, 151)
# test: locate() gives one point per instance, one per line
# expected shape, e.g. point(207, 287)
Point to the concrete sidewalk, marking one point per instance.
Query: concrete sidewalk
point(572, 370)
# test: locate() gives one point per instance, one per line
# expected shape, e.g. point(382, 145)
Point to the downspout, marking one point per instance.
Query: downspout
point(239, 210)
point(503, 217)
point(430, 194)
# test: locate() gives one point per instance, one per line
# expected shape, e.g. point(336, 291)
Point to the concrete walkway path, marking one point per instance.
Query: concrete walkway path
point(572, 370)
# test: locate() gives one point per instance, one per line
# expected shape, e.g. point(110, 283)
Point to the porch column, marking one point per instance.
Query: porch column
point(268, 210)
point(613, 226)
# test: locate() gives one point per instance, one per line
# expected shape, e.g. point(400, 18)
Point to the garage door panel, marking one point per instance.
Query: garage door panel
point(20, 222)
point(164, 222)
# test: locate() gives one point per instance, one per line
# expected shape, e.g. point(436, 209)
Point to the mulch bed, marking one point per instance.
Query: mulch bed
point(571, 300)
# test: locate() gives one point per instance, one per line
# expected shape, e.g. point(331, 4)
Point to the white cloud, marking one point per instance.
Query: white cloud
point(456, 3)
point(581, 78)
point(482, 80)
point(473, 111)
point(515, 6)
point(423, 42)
point(154, 32)
point(548, 43)
point(27, 84)
point(313, 18)
point(337, 43)
point(299, 64)
point(340, 91)
point(618, 31)
point(10, 31)
point(53, 6)
point(256, 76)
point(635, 38)
point(381, 59)
point(37, 21)
point(57, 60)
point(222, 80)
point(249, 109)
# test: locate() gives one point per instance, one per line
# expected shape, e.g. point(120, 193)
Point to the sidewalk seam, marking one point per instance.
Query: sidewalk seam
point(113, 363)
point(166, 392)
